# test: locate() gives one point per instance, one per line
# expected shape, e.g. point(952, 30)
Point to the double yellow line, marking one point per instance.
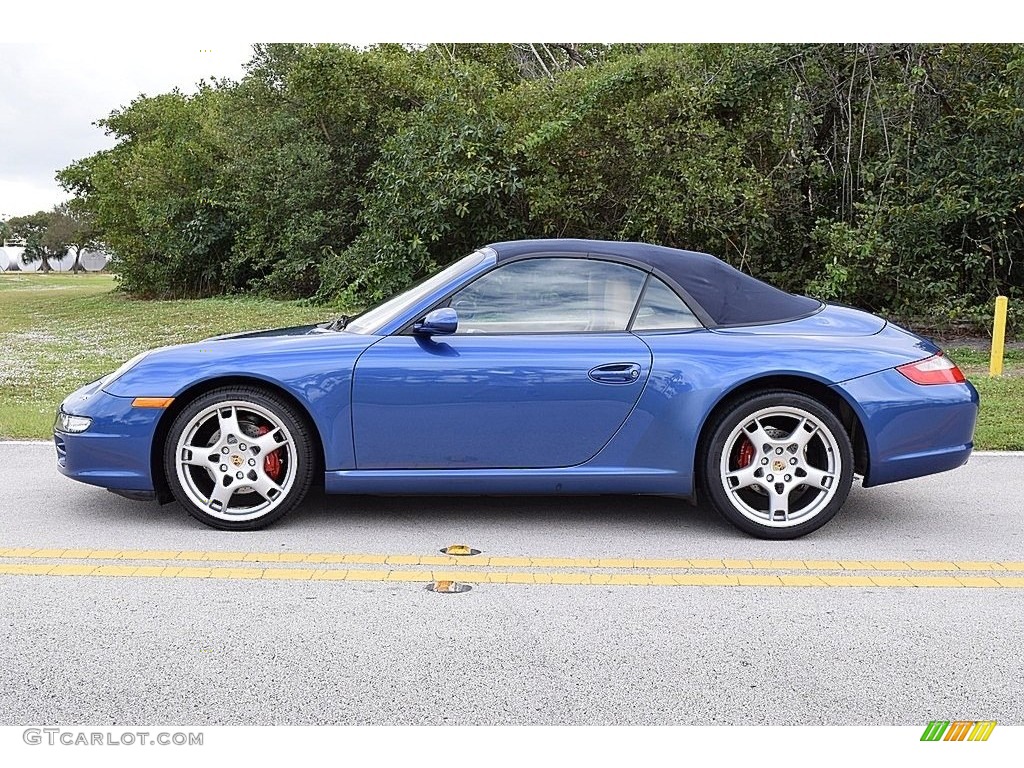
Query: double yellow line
point(480, 569)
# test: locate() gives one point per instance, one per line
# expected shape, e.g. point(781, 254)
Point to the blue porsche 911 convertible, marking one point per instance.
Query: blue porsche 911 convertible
point(536, 367)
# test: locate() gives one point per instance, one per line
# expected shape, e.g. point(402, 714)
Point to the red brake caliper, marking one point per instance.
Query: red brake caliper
point(745, 455)
point(272, 464)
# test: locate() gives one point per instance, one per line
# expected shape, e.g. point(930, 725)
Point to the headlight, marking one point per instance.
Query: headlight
point(112, 377)
point(71, 424)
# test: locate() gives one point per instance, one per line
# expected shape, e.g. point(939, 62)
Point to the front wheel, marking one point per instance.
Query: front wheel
point(778, 465)
point(238, 458)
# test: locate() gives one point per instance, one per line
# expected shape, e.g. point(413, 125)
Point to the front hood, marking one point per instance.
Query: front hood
point(830, 320)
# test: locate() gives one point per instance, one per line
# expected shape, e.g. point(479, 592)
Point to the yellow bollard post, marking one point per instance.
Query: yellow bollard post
point(995, 363)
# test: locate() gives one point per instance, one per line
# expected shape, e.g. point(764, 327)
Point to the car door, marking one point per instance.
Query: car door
point(541, 372)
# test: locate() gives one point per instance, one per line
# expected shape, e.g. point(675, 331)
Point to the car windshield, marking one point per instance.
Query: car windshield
point(372, 321)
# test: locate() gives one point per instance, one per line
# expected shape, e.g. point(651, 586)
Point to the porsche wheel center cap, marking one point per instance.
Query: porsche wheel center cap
point(236, 460)
point(778, 465)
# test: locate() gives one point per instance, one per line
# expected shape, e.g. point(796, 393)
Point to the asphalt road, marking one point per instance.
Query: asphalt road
point(163, 648)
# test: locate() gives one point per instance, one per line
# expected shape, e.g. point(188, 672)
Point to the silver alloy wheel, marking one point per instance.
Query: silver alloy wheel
point(792, 466)
point(221, 461)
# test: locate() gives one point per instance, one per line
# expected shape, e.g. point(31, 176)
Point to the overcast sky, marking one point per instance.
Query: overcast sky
point(52, 94)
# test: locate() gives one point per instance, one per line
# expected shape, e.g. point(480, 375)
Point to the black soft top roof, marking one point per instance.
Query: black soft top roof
point(722, 293)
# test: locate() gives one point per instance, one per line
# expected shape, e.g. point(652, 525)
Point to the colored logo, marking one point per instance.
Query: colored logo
point(958, 730)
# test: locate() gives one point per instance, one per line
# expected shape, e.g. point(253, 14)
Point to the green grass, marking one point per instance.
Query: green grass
point(58, 332)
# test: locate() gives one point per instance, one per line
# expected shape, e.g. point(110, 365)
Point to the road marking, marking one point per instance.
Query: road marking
point(500, 561)
point(512, 577)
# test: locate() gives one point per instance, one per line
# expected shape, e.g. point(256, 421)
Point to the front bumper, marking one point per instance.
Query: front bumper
point(114, 452)
point(912, 430)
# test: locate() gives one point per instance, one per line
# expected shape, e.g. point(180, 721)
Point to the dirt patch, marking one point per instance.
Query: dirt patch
point(982, 343)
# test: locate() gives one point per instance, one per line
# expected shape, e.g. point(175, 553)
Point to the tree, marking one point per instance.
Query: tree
point(33, 230)
point(442, 186)
point(684, 146)
point(50, 234)
point(298, 135)
point(155, 195)
point(71, 226)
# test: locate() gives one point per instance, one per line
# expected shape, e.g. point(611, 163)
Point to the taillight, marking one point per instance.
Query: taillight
point(937, 369)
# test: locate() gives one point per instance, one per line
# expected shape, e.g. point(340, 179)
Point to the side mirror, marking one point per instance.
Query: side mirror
point(440, 322)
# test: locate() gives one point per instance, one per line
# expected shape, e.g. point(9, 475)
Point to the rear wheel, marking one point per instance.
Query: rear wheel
point(778, 465)
point(239, 458)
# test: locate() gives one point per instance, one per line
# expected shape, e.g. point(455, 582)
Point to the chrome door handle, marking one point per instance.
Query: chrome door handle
point(615, 373)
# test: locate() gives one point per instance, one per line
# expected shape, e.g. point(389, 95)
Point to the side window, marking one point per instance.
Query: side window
point(550, 295)
point(661, 309)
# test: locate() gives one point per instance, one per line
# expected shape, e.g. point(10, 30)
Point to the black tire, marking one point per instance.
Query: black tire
point(239, 458)
point(794, 475)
